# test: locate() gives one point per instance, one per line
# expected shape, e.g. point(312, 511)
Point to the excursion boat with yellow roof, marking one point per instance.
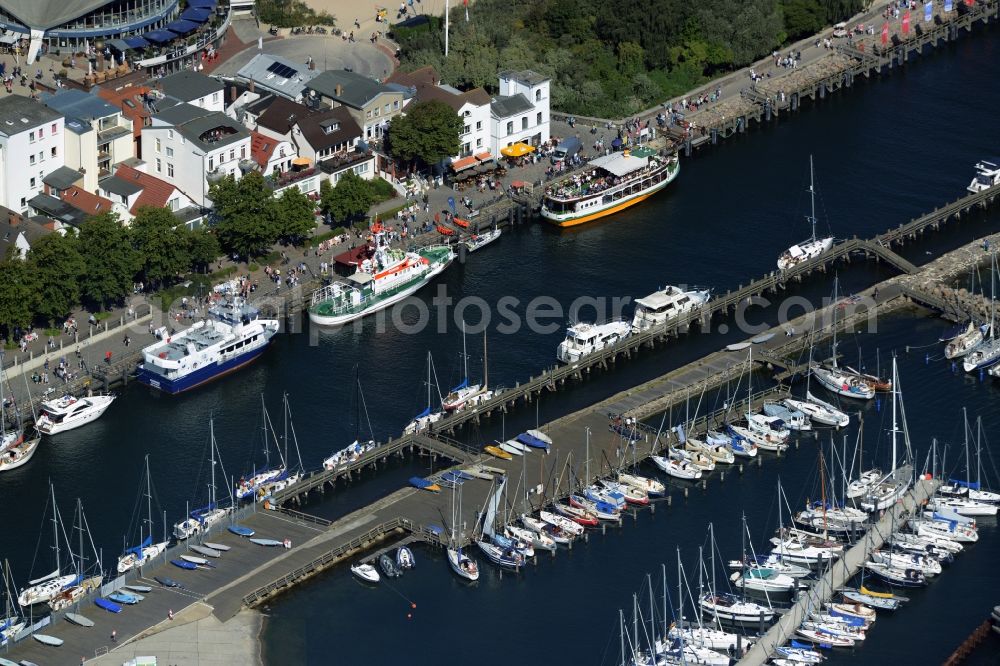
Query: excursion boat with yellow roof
point(610, 184)
point(389, 276)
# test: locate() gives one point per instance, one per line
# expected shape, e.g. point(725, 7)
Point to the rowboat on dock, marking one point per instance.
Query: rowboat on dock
point(79, 620)
point(109, 606)
point(45, 639)
point(497, 452)
point(240, 530)
point(424, 484)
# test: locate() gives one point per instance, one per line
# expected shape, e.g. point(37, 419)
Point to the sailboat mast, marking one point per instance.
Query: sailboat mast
point(55, 524)
point(486, 364)
point(968, 461)
point(587, 430)
point(666, 631)
point(211, 446)
point(812, 197)
point(79, 513)
point(895, 426)
point(465, 354)
point(149, 500)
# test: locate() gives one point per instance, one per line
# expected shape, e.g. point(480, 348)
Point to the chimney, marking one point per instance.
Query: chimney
point(15, 219)
point(338, 90)
point(250, 86)
point(232, 93)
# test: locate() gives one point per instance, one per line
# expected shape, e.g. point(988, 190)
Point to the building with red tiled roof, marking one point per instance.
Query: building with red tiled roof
point(79, 198)
point(271, 155)
point(131, 100)
point(135, 189)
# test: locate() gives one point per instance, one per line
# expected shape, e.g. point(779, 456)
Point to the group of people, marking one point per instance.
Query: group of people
point(788, 61)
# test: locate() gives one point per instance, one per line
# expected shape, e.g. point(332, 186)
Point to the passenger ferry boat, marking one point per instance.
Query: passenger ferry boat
point(582, 339)
point(665, 304)
point(987, 176)
point(233, 336)
point(388, 277)
point(611, 183)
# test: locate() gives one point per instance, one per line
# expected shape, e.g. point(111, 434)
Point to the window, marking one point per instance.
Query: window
point(376, 112)
point(243, 152)
point(159, 146)
point(479, 125)
point(170, 134)
point(170, 169)
point(31, 159)
point(395, 104)
point(368, 114)
point(479, 142)
point(53, 151)
point(386, 109)
point(31, 137)
point(524, 123)
point(41, 132)
point(41, 157)
point(24, 203)
point(232, 154)
point(538, 95)
point(32, 182)
point(466, 129)
point(53, 129)
point(170, 151)
point(211, 164)
point(215, 97)
point(172, 204)
point(538, 118)
point(159, 165)
point(510, 127)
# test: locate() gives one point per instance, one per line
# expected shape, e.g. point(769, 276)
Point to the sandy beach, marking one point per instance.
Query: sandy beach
point(347, 11)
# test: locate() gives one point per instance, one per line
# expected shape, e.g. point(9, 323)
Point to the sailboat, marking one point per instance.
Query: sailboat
point(15, 448)
point(968, 488)
point(987, 353)
point(84, 584)
point(15, 436)
point(467, 394)
point(505, 556)
point(44, 588)
point(358, 447)
point(809, 249)
point(291, 476)
point(819, 411)
point(425, 418)
point(897, 481)
point(832, 378)
point(729, 607)
point(259, 483)
point(146, 551)
point(460, 563)
point(11, 621)
point(202, 519)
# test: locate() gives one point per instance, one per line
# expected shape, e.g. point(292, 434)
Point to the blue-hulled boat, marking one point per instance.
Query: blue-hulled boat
point(507, 559)
point(125, 598)
point(533, 442)
point(109, 606)
point(166, 582)
point(184, 564)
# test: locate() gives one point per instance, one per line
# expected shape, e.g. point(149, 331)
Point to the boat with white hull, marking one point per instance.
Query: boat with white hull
point(819, 411)
point(144, 553)
point(813, 246)
point(732, 608)
point(987, 176)
point(583, 339)
point(387, 277)
point(964, 343)
point(665, 305)
point(70, 412)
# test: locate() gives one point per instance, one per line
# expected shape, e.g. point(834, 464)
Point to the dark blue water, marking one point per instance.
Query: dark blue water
point(884, 152)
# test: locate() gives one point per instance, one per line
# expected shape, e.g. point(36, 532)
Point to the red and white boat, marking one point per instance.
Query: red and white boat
point(577, 515)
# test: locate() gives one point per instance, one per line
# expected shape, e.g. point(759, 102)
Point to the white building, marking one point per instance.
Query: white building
point(97, 137)
point(276, 75)
point(191, 147)
point(130, 189)
point(31, 147)
point(520, 113)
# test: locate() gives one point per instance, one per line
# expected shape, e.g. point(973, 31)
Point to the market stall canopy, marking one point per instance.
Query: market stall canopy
point(484, 157)
point(517, 150)
point(182, 27)
point(160, 36)
point(202, 4)
point(196, 14)
point(463, 164)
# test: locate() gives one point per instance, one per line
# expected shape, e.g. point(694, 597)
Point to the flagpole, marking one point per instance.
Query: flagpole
point(446, 12)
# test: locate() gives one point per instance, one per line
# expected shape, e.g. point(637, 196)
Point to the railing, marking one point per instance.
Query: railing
point(206, 39)
point(330, 557)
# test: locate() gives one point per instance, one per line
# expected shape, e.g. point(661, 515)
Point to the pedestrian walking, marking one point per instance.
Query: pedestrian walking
point(114, 636)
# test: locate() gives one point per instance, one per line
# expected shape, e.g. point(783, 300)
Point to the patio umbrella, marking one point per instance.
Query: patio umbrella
point(517, 150)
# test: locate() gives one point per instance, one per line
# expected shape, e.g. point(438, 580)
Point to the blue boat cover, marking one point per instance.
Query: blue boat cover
point(196, 14)
point(184, 564)
point(240, 530)
point(107, 605)
point(532, 441)
point(426, 412)
point(136, 42)
point(160, 36)
point(801, 646)
point(974, 485)
point(461, 386)
point(166, 582)
point(181, 27)
point(138, 549)
point(208, 4)
point(418, 482)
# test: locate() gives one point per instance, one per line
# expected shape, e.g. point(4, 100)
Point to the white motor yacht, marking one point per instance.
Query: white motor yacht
point(987, 176)
point(70, 412)
point(583, 339)
point(666, 304)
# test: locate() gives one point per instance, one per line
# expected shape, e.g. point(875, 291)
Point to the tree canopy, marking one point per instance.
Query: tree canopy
point(247, 215)
point(111, 263)
point(161, 249)
point(428, 133)
point(349, 200)
point(18, 294)
point(56, 266)
point(613, 59)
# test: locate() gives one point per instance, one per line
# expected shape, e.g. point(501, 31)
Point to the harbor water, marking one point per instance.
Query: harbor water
point(884, 151)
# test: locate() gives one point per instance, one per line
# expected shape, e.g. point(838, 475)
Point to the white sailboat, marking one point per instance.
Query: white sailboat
point(358, 448)
point(425, 418)
point(896, 482)
point(201, 520)
point(42, 589)
point(466, 394)
point(146, 551)
point(832, 378)
point(987, 353)
point(813, 247)
point(463, 565)
point(11, 621)
point(84, 583)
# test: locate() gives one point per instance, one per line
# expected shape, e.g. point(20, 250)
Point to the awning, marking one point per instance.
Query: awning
point(206, 4)
point(484, 157)
point(196, 14)
point(182, 27)
point(8, 39)
point(160, 36)
point(463, 164)
point(136, 42)
point(301, 161)
point(517, 150)
point(118, 45)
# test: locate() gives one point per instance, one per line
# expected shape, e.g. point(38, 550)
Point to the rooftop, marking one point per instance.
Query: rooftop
point(328, 128)
point(525, 76)
point(347, 88)
point(505, 107)
point(280, 113)
point(424, 84)
point(19, 113)
point(213, 131)
point(277, 74)
point(12, 224)
point(78, 104)
point(42, 14)
point(188, 86)
point(120, 186)
point(262, 147)
point(155, 192)
point(62, 178)
point(79, 198)
point(58, 210)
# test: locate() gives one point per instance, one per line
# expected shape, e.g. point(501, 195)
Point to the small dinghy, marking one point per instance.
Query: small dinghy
point(143, 589)
point(166, 582)
point(205, 550)
point(270, 543)
point(424, 484)
point(365, 572)
point(201, 561)
point(404, 558)
point(79, 620)
point(221, 547)
point(45, 639)
point(532, 439)
point(239, 530)
point(7, 662)
point(388, 567)
point(124, 598)
point(109, 606)
point(761, 339)
point(737, 346)
point(184, 564)
point(497, 452)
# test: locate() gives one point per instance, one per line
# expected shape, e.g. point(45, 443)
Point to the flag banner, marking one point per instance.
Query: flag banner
point(948, 5)
point(906, 22)
point(885, 33)
point(451, 204)
point(928, 11)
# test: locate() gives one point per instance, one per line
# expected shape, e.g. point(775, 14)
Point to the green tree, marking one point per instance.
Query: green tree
point(247, 214)
point(161, 247)
point(57, 266)
point(203, 248)
point(349, 200)
point(296, 216)
point(802, 17)
point(18, 293)
point(111, 262)
point(631, 58)
point(429, 132)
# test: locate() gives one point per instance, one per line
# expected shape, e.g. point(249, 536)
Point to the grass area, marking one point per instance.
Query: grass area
point(325, 236)
point(53, 332)
point(101, 316)
point(391, 213)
